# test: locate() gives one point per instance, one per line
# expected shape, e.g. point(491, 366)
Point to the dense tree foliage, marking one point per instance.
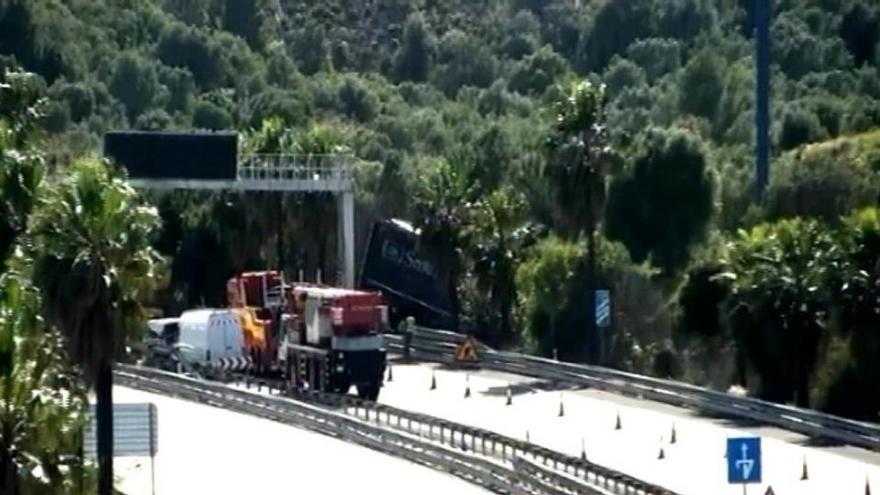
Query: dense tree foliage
point(94, 266)
point(670, 178)
point(44, 402)
point(447, 110)
point(21, 166)
point(44, 407)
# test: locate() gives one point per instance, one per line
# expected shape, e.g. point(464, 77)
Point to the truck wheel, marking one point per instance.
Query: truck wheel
point(368, 392)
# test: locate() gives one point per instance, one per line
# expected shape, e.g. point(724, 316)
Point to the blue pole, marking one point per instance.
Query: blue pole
point(763, 9)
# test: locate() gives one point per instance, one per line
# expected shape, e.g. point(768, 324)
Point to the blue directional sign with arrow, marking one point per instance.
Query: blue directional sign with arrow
point(744, 460)
point(603, 308)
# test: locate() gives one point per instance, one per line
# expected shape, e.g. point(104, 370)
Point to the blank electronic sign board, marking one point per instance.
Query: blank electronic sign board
point(174, 155)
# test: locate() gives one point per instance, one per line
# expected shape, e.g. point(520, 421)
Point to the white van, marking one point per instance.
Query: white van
point(207, 335)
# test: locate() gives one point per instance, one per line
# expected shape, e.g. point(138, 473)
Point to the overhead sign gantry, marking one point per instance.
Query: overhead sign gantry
point(211, 161)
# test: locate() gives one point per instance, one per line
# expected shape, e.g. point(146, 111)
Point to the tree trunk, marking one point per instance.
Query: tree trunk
point(592, 329)
point(453, 298)
point(506, 308)
point(7, 468)
point(104, 395)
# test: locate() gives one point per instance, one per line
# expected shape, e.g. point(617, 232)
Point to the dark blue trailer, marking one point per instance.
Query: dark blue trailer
point(411, 281)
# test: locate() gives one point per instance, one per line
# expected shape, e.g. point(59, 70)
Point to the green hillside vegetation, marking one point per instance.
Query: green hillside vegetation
point(452, 111)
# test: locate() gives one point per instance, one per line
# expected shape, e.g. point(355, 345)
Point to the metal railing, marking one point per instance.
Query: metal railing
point(438, 345)
point(289, 167)
point(496, 462)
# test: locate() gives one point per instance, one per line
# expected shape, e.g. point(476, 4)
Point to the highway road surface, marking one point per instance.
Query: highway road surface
point(694, 465)
point(205, 450)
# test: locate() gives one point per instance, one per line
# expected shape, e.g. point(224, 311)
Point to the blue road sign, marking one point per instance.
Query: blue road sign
point(603, 308)
point(744, 460)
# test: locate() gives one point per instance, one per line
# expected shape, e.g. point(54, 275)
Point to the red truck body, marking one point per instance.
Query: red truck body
point(319, 337)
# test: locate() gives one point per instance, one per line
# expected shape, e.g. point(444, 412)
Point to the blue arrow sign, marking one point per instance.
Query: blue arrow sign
point(603, 308)
point(744, 460)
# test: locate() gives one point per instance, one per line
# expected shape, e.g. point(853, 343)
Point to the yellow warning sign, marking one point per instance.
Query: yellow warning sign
point(466, 352)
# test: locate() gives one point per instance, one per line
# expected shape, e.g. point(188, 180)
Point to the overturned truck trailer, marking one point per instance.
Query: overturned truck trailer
point(412, 283)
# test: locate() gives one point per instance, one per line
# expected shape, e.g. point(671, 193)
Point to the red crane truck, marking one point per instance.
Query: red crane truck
point(317, 337)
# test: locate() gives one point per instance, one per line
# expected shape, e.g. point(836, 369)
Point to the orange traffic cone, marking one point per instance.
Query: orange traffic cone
point(617, 423)
point(561, 407)
point(805, 475)
point(672, 436)
point(433, 380)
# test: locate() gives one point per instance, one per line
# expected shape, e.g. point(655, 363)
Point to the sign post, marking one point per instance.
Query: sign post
point(152, 413)
point(744, 461)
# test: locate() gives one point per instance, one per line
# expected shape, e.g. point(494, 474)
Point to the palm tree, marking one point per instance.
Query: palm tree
point(20, 177)
point(579, 162)
point(21, 168)
point(42, 407)
point(442, 204)
point(499, 235)
point(580, 156)
point(780, 276)
point(93, 263)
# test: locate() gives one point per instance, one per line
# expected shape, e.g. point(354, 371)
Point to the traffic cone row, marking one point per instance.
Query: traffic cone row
point(867, 484)
point(618, 425)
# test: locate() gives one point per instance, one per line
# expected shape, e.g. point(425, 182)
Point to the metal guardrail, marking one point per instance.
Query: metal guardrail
point(496, 462)
point(438, 345)
point(497, 478)
point(290, 167)
point(538, 477)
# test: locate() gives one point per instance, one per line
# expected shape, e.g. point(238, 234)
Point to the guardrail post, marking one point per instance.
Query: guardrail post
point(408, 328)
